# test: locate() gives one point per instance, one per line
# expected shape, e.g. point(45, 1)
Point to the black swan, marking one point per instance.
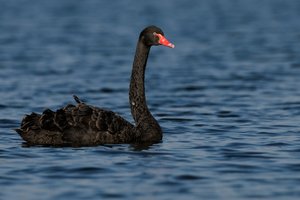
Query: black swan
point(85, 125)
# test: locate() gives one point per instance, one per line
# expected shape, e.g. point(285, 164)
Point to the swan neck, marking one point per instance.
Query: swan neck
point(137, 96)
point(147, 128)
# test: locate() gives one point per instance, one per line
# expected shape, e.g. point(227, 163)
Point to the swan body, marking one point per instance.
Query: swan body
point(86, 125)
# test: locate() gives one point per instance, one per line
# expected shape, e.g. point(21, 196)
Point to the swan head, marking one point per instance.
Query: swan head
point(153, 35)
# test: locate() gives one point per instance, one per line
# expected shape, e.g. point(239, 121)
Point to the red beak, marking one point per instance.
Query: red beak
point(163, 41)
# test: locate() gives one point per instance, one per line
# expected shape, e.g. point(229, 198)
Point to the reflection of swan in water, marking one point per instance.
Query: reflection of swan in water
point(84, 125)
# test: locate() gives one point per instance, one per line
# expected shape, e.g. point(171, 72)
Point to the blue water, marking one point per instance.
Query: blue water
point(227, 97)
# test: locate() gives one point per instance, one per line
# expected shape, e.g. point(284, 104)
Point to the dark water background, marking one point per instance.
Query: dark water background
point(227, 97)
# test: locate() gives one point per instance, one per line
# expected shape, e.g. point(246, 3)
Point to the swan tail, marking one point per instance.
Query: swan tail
point(43, 129)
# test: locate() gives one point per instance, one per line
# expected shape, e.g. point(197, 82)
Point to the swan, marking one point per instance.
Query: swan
point(86, 125)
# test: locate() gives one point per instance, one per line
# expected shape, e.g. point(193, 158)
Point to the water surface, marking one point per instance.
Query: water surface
point(227, 98)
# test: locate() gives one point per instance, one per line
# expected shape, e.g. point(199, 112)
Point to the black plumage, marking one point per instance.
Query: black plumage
point(85, 125)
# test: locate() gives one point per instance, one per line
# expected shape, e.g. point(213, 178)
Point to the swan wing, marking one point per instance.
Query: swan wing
point(80, 125)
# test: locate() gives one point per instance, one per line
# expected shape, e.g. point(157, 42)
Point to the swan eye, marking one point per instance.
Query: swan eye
point(157, 35)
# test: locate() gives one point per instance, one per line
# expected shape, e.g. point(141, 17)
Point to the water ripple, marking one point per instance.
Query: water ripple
point(226, 98)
